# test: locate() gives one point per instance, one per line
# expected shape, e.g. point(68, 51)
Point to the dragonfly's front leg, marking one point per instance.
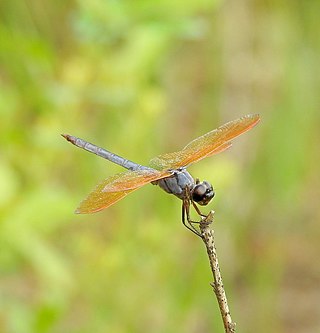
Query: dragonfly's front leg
point(197, 209)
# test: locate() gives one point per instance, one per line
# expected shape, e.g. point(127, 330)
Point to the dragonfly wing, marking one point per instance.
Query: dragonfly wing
point(98, 200)
point(116, 187)
point(131, 180)
point(208, 144)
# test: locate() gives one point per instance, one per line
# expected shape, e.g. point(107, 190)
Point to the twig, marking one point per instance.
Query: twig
point(217, 284)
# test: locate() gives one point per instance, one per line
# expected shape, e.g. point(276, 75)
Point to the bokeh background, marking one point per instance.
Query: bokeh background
point(142, 78)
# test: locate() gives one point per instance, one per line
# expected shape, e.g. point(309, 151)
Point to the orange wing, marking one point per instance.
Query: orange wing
point(115, 187)
point(208, 144)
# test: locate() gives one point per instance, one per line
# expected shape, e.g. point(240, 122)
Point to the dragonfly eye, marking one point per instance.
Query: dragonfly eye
point(202, 193)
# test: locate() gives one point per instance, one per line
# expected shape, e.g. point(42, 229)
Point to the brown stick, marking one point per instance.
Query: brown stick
point(217, 284)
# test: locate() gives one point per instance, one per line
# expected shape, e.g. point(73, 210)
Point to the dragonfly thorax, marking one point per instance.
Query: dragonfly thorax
point(181, 179)
point(177, 183)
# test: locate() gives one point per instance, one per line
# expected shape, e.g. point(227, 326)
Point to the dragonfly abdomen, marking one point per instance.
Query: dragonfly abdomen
point(125, 163)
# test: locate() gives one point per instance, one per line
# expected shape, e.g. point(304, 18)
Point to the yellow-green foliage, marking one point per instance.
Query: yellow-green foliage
point(143, 78)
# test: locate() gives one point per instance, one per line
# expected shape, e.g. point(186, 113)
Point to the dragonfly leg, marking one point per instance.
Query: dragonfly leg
point(186, 212)
point(197, 209)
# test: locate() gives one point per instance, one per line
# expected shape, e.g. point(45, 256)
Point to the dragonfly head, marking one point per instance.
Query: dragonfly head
point(202, 193)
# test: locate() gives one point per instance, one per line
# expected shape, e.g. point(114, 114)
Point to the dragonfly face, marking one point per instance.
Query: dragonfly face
point(202, 193)
point(168, 170)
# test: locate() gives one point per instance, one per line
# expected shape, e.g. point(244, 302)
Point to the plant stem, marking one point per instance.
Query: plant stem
point(207, 235)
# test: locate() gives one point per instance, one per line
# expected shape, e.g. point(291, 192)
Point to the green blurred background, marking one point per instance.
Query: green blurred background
point(142, 78)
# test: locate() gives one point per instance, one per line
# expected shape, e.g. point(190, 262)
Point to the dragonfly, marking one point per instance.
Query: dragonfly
point(168, 171)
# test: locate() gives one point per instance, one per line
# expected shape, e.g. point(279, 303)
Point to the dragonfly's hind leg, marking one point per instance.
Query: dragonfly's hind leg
point(186, 212)
point(189, 223)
